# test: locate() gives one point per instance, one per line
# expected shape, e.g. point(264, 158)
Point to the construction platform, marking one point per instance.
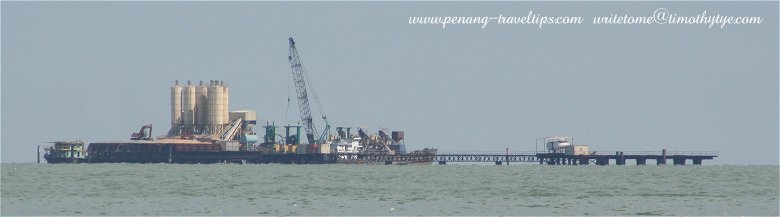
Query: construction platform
point(192, 151)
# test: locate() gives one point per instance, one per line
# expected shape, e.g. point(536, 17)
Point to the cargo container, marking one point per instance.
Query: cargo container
point(229, 145)
point(577, 150)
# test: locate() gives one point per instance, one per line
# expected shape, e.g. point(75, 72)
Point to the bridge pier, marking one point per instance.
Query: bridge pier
point(499, 163)
point(679, 161)
point(660, 161)
point(697, 161)
point(641, 161)
point(442, 162)
point(584, 161)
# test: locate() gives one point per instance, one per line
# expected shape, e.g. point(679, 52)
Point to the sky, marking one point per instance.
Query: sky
point(97, 71)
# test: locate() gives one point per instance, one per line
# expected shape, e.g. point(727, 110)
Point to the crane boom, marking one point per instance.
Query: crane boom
point(300, 88)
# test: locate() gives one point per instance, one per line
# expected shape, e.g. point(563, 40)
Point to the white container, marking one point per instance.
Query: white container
point(229, 145)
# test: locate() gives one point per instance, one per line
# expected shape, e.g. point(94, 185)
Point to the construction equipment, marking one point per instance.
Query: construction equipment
point(300, 78)
point(142, 134)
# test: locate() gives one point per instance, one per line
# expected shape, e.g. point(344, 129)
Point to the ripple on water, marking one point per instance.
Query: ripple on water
point(112, 189)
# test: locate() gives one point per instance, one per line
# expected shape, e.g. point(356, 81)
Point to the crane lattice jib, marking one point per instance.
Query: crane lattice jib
point(300, 88)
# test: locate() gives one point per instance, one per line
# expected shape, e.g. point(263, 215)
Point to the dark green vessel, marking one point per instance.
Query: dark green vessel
point(66, 152)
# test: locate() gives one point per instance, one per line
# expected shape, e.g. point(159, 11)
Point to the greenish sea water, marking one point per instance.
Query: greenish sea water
point(273, 189)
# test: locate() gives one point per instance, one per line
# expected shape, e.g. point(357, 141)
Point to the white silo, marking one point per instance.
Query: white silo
point(175, 108)
point(215, 107)
point(201, 107)
point(188, 107)
point(225, 105)
point(211, 96)
point(220, 103)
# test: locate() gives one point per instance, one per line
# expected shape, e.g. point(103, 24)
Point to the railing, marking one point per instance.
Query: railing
point(668, 153)
point(486, 153)
point(601, 153)
point(693, 153)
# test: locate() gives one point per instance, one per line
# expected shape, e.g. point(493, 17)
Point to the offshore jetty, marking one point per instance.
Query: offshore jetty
point(204, 130)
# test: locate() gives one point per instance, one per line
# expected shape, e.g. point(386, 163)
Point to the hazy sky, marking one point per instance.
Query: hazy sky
point(97, 71)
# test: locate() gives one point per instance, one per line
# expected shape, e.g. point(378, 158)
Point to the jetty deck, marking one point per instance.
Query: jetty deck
point(597, 158)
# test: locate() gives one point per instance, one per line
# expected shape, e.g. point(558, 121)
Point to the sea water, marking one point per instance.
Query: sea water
point(276, 189)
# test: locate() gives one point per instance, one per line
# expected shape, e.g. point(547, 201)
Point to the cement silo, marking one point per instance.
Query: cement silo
point(215, 108)
point(225, 108)
point(188, 102)
point(176, 119)
point(220, 102)
point(201, 107)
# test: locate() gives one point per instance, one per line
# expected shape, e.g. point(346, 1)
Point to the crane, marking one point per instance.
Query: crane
point(299, 78)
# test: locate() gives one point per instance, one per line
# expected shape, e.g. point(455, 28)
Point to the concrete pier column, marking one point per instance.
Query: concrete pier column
point(620, 160)
point(584, 161)
point(663, 157)
point(660, 161)
point(641, 161)
point(442, 162)
point(697, 161)
point(499, 163)
point(541, 160)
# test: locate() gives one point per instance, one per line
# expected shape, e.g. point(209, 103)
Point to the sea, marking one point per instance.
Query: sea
point(357, 190)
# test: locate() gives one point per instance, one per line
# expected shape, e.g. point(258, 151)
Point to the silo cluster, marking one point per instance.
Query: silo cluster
point(201, 109)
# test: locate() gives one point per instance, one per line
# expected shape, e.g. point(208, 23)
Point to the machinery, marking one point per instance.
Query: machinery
point(300, 78)
point(143, 134)
point(382, 142)
point(557, 144)
point(565, 145)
